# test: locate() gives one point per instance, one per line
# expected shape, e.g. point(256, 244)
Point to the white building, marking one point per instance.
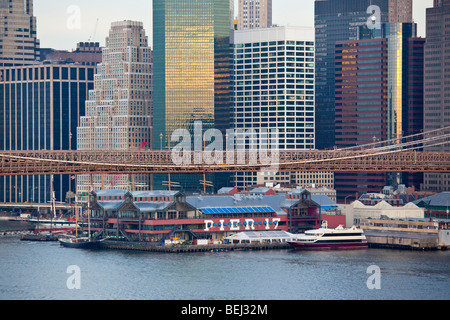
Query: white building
point(356, 211)
point(254, 14)
point(119, 108)
point(273, 88)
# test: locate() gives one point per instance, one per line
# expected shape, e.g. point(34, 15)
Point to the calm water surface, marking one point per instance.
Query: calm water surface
point(33, 270)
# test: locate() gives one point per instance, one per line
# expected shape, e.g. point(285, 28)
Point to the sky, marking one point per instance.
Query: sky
point(63, 23)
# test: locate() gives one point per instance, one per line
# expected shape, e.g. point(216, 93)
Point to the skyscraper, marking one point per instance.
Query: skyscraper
point(254, 14)
point(400, 11)
point(192, 67)
point(273, 87)
point(379, 96)
point(40, 108)
point(437, 84)
point(118, 111)
point(18, 36)
point(340, 20)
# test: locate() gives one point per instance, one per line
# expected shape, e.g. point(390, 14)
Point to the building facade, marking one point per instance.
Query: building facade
point(192, 66)
point(437, 84)
point(361, 107)
point(192, 75)
point(379, 96)
point(254, 14)
point(118, 111)
point(340, 20)
point(40, 108)
point(273, 88)
point(18, 33)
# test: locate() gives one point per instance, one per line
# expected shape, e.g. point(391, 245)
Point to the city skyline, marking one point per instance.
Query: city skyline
point(63, 24)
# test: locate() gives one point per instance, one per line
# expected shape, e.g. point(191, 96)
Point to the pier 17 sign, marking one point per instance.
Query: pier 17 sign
point(242, 224)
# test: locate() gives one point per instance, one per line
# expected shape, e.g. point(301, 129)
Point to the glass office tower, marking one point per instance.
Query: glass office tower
point(40, 109)
point(191, 65)
point(379, 96)
point(192, 68)
point(336, 20)
point(437, 85)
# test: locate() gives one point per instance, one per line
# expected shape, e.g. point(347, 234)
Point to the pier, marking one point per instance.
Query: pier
point(179, 248)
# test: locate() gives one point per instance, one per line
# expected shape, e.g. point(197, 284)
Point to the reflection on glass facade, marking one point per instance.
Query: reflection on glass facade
point(191, 66)
point(40, 108)
point(379, 96)
point(335, 20)
point(192, 74)
point(397, 35)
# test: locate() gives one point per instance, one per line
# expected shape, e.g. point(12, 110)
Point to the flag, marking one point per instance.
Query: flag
point(143, 144)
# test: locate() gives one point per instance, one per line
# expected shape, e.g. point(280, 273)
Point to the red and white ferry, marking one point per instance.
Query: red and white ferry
point(325, 238)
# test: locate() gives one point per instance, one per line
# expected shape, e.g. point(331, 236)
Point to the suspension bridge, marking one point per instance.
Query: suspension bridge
point(415, 153)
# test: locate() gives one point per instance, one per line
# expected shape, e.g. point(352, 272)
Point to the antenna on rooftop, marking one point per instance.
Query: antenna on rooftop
point(92, 38)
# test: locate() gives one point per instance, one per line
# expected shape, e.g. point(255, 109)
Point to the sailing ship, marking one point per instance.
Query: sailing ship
point(85, 242)
point(45, 230)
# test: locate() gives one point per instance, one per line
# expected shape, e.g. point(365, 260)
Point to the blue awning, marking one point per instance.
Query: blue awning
point(236, 210)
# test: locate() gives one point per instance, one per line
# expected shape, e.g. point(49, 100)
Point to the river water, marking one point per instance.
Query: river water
point(47, 271)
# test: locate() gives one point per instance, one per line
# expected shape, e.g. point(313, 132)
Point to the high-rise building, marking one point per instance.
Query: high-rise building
point(254, 14)
point(437, 84)
point(273, 87)
point(400, 11)
point(191, 65)
point(192, 69)
point(118, 111)
point(18, 35)
point(379, 96)
point(340, 20)
point(40, 108)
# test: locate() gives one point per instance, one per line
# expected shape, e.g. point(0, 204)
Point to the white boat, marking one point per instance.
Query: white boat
point(325, 238)
point(54, 224)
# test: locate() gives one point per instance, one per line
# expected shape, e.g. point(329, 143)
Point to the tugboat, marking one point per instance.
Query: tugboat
point(325, 238)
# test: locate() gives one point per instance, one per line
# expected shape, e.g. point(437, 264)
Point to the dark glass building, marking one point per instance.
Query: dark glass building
point(192, 69)
point(336, 20)
point(361, 107)
point(379, 96)
point(40, 108)
point(437, 85)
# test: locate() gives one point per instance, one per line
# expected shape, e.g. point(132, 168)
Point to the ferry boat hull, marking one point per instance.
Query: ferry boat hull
point(329, 239)
point(328, 246)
